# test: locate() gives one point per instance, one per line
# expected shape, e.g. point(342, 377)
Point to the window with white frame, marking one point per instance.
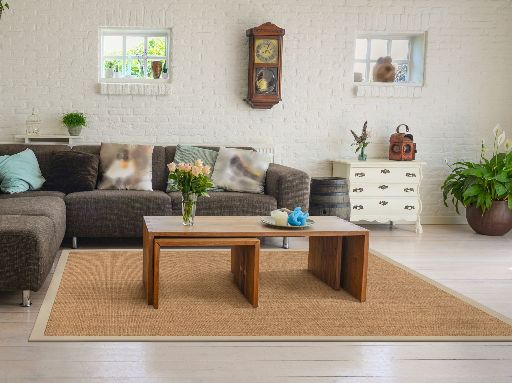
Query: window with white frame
point(406, 53)
point(134, 55)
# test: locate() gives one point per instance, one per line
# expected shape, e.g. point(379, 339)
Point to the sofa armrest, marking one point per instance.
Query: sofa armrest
point(290, 187)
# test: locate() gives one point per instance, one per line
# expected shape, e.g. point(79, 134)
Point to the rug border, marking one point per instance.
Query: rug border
point(37, 334)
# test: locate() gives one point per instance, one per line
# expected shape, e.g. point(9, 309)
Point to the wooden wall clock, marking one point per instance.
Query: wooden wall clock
point(265, 65)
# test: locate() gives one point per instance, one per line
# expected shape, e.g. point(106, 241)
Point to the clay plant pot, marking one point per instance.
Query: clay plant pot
point(157, 69)
point(495, 221)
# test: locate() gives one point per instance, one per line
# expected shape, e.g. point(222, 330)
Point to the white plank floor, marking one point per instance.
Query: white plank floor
point(479, 267)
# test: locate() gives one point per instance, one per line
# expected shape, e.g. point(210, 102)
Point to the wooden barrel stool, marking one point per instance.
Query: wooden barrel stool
point(329, 196)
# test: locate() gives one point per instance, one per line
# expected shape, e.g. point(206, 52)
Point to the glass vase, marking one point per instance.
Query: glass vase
point(362, 155)
point(188, 208)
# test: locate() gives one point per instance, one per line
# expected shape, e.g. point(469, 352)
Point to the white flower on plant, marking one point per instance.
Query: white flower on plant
point(497, 130)
point(508, 144)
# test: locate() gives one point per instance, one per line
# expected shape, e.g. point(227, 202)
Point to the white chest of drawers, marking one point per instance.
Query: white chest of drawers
point(382, 190)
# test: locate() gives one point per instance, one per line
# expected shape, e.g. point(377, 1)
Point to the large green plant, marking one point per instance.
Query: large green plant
point(481, 183)
point(3, 6)
point(74, 119)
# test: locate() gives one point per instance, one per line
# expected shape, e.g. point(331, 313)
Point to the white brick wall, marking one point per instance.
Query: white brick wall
point(48, 59)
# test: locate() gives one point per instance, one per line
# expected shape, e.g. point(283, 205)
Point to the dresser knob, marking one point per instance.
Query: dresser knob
point(385, 171)
point(357, 190)
point(360, 174)
point(383, 203)
point(409, 207)
point(410, 175)
point(383, 187)
point(407, 190)
point(358, 207)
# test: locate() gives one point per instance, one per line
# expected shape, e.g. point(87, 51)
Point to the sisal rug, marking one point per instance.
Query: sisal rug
point(98, 295)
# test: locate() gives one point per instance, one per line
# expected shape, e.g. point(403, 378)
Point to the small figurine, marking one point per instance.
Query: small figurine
point(297, 217)
point(384, 71)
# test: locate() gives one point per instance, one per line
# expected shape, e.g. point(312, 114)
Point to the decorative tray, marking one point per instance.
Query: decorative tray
point(270, 221)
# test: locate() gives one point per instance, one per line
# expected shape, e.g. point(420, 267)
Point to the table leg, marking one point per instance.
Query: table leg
point(324, 259)
point(156, 274)
point(245, 264)
point(354, 267)
point(147, 264)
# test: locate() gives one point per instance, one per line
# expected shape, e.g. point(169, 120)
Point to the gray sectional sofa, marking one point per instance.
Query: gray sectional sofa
point(33, 224)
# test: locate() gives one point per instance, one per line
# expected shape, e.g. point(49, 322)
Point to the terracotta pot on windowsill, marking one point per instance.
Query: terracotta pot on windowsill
point(495, 221)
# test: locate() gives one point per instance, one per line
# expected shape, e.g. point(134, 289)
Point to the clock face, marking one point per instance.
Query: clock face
point(266, 51)
point(266, 80)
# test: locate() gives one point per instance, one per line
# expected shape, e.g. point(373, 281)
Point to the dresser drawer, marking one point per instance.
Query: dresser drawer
point(384, 205)
point(361, 189)
point(385, 174)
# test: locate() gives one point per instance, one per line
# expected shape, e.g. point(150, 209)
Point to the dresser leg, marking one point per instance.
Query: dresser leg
point(419, 229)
point(391, 225)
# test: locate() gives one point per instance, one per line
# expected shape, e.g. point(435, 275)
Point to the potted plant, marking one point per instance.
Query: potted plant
point(3, 5)
point(109, 69)
point(74, 122)
point(193, 181)
point(164, 71)
point(361, 142)
point(484, 188)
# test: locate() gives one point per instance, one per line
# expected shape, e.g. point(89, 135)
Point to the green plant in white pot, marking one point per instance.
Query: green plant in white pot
point(74, 122)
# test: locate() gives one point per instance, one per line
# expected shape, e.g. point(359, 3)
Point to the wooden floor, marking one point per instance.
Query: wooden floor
point(479, 267)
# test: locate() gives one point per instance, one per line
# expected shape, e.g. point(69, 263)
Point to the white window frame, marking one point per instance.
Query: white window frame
point(124, 58)
point(416, 42)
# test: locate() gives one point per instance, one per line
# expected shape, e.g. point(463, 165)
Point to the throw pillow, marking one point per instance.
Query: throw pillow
point(188, 155)
point(20, 172)
point(126, 167)
point(72, 171)
point(241, 170)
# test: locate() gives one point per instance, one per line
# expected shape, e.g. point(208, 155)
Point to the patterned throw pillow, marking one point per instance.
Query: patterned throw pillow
point(188, 155)
point(126, 167)
point(241, 170)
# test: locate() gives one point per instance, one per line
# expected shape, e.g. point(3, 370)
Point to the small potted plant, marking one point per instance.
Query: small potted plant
point(361, 142)
point(3, 5)
point(164, 71)
point(193, 181)
point(109, 69)
point(484, 188)
point(74, 122)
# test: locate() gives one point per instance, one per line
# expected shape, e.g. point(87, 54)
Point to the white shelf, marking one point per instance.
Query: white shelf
point(47, 138)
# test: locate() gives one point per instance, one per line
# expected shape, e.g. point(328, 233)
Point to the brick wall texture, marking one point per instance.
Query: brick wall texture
point(49, 60)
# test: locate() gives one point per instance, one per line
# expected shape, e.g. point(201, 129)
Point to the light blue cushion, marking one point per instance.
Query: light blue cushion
point(20, 172)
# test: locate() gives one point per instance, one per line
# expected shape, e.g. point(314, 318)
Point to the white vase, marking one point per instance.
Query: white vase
point(109, 73)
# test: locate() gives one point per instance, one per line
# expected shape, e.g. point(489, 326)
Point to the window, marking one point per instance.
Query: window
point(406, 52)
point(134, 55)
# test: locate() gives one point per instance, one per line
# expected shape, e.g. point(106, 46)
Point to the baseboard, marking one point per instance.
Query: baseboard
point(431, 220)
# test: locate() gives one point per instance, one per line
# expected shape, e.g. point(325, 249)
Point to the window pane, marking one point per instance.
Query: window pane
point(359, 72)
point(371, 71)
point(134, 45)
point(379, 49)
point(156, 46)
point(112, 45)
point(361, 47)
point(401, 72)
point(400, 49)
point(135, 68)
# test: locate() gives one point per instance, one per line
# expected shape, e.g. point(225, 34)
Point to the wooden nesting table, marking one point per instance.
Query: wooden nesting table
point(338, 250)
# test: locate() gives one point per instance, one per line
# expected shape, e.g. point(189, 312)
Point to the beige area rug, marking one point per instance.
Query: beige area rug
point(98, 295)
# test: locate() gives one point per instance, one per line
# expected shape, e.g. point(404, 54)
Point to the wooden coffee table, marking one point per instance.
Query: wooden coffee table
point(338, 250)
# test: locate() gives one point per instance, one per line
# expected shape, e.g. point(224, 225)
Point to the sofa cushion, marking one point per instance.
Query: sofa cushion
point(159, 169)
point(20, 172)
point(126, 167)
point(50, 207)
point(72, 171)
point(229, 203)
point(33, 193)
point(241, 170)
point(44, 153)
point(113, 213)
point(28, 246)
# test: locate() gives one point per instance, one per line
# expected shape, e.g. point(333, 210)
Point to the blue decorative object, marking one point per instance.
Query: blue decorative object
point(297, 217)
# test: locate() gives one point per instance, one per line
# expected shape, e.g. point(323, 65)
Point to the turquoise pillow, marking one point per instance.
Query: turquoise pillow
point(20, 172)
point(189, 154)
